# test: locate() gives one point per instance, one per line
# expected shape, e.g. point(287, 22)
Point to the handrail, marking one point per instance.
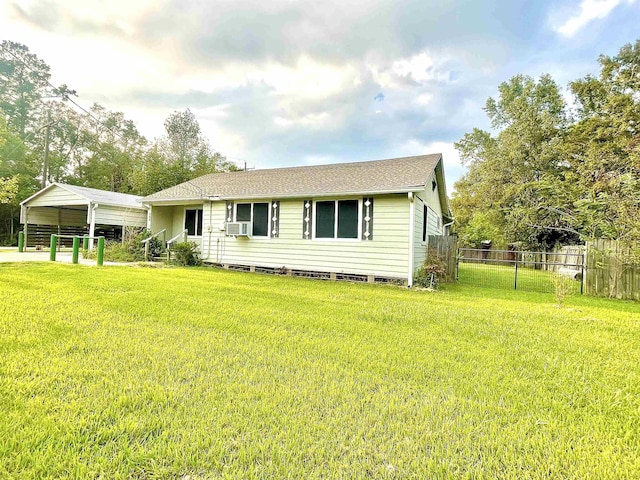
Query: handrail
point(147, 240)
point(181, 234)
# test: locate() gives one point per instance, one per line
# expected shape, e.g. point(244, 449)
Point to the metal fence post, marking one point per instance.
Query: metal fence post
point(52, 248)
point(85, 242)
point(582, 279)
point(21, 242)
point(515, 278)
point(100, 251)
point(76, 250)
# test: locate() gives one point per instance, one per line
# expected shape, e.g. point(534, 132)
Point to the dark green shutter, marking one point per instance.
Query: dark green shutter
point(275, 219)
point(425, 218)
point(229, 212)
point(307, 218)
point(367, 218)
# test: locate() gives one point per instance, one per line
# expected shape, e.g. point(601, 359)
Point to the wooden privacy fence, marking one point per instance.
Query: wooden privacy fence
point(569, 254)
point(447, 250)
point(612, 271)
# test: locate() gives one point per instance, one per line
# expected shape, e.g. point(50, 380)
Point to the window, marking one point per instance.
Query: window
point(193, 222)
point(257, 214)
point(337, 219)
point(260, 219)
point(425, 217)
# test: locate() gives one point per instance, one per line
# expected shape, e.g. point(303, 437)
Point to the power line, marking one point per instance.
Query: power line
point(242, 160)
point(64, 95)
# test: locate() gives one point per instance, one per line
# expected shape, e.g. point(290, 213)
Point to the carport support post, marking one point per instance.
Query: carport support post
point(92, 223)
point(100, 251)
point(76, 249)
point(21, 242)
point(52, 248)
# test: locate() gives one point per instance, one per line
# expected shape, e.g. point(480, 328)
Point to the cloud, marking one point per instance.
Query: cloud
point(281, 83)
point(589, 10)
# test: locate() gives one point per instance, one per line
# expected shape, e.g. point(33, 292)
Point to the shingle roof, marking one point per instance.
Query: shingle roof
point(392, 175)
point(103, 196)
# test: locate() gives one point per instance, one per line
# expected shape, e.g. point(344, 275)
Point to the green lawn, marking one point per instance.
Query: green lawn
point(495, 275)
point(126, 372)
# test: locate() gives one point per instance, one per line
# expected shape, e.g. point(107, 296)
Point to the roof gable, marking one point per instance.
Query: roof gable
point(92, 195)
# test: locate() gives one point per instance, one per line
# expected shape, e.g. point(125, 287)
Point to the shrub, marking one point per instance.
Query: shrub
point(432, 271)
point(131, 250)
point(186, 254)
point(562, 287)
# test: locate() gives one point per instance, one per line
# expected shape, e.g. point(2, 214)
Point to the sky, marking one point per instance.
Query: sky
point(281, 83)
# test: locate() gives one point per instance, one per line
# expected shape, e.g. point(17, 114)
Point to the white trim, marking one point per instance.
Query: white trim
point(301, 196)
point(149, 217)
point(80, 195)
point(412, 222)
point(257, 237)
point(184, 220)
point(40, 192)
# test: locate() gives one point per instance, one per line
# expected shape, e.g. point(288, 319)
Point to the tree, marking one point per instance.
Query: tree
point(113, 149)
point(16, 179)
point(8, 189)
point(512, 178)
point(603, 148)
point(24, 80)
point(182, 154)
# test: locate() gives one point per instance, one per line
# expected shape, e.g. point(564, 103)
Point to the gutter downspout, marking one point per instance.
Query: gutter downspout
point(209, 231)
point(447, 225)
point(412, 221)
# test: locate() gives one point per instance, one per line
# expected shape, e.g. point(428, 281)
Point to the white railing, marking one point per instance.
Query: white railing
point(147, 240)
point(182, 234)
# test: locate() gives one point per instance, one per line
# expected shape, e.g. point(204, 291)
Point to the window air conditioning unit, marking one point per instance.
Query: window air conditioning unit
point(239, 229)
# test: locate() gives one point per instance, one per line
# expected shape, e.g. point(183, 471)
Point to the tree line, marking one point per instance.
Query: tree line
point(46, 136)
point(555, 171)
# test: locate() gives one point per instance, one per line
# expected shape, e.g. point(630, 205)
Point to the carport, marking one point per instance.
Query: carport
point(71, 210)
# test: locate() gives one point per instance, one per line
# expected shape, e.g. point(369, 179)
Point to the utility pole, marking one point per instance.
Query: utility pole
point(45, 167)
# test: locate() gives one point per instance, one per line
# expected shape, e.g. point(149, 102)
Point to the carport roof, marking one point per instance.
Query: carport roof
point(95, 196)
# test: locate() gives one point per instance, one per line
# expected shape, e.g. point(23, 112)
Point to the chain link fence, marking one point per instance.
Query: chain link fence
point(520, 270)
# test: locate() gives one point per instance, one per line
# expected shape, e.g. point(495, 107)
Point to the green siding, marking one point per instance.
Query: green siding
point(386, 255)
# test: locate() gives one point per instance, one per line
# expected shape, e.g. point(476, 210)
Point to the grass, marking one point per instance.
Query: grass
point(125, 372)
point(504, 277)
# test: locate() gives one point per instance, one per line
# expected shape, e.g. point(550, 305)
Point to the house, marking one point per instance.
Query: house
point(68, 209)
point(368, 220)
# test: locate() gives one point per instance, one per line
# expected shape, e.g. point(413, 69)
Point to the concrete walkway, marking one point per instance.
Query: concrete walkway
point(12, 255)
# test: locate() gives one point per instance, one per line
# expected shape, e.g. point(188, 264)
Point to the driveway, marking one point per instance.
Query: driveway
point(12, 255)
